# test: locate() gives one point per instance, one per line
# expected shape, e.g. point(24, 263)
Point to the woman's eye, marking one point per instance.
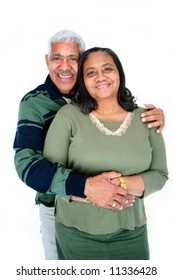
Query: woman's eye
point(90, 74)
point(108, 69)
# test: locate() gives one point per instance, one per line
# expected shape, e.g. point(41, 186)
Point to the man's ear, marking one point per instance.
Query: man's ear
point(47, 59)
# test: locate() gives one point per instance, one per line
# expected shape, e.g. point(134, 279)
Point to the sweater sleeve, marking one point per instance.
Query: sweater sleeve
point(157, 175)
point(34, 169)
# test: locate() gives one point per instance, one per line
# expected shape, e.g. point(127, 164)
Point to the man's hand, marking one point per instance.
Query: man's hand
point(154, 116)
point(105, 193)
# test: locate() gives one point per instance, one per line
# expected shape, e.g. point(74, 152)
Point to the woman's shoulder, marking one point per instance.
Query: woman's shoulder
point(139, 111)
point(68, 110)
point(69, 107)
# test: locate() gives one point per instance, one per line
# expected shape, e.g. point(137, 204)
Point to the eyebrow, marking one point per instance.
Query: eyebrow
point(106, 64)
point(60, 55)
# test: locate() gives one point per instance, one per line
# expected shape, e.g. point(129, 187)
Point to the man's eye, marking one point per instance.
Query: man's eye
point(73, 59)
point(56, 58)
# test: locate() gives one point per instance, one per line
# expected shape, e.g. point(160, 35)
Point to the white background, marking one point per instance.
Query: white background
point(141, 33)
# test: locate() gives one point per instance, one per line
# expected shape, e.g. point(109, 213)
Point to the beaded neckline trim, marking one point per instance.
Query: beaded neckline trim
point(119, 132)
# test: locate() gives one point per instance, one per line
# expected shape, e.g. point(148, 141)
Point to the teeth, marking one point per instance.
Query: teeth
point(102, 86)
point(64, 77)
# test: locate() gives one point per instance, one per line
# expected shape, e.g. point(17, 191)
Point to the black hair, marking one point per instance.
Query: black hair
point(83, 99)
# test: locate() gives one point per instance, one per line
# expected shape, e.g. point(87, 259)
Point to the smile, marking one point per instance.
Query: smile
point(65, 76)
point(103, 85)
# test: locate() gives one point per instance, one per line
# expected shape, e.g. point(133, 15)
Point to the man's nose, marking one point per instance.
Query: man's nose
point(65, 64)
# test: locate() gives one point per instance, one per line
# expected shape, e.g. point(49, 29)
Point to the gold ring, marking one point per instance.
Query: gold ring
point(114, 205)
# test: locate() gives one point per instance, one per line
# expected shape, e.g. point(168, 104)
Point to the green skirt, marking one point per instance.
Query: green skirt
point(73, 244)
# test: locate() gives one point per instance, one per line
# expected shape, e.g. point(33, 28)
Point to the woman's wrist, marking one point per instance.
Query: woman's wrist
point(134, 185)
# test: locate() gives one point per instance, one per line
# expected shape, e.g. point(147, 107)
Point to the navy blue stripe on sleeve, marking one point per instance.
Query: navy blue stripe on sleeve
point(35, 140)
point(73, 181)
point(40, 175)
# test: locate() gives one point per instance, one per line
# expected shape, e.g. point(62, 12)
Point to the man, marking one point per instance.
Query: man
point(36, 111)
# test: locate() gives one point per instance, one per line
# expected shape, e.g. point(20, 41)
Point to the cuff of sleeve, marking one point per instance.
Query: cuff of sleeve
point(75, 184)
point(58, 183)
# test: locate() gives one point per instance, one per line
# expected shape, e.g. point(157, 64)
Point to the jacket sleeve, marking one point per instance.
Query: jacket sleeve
point(32, 167)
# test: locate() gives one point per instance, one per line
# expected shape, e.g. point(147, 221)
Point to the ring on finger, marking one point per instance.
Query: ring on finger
point(114, 205)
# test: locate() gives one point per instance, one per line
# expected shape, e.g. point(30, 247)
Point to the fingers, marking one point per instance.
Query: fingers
point(159, 129)
point(119, 206)
point(154, 114)
point(116, 206)
point(79, 199)
point(102, 192)
point(100, 187)
point(149, 106)
point(149, 116)
point(160, 124)
point(155, 117)
point(109, 175)
point(125, 200)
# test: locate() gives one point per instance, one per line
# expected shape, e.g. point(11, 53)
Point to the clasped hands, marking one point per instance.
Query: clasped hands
point(105, 191)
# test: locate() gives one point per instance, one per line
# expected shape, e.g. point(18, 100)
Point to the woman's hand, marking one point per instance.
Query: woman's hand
point(114, 205)
point(134, 184)
point(102, 192)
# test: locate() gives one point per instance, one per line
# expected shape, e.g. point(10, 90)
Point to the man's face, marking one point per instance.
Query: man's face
point(63, 65)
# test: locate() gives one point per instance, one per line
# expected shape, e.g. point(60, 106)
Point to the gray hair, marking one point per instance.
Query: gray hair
point(68, 35)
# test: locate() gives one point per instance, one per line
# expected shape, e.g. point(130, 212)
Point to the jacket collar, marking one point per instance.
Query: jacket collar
point(54, 91)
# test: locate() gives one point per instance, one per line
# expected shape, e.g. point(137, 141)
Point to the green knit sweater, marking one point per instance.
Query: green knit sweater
point(78, 144)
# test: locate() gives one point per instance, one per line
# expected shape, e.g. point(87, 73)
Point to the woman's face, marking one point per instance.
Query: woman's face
point(101, 76)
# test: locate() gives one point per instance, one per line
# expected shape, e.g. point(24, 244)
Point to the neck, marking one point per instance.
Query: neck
point(108, 108)
point(109, 111)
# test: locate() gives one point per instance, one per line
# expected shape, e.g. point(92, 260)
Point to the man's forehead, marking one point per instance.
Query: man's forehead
point(65, 48)
point(56, 54)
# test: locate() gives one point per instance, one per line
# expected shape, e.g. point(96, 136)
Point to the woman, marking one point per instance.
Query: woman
point(104, 123)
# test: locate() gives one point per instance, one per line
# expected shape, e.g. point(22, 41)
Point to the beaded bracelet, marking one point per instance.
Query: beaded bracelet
point(90, 188)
